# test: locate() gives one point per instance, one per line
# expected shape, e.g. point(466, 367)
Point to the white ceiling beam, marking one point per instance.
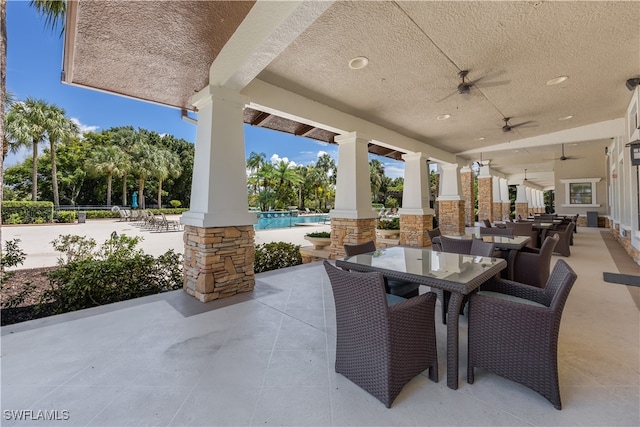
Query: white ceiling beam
point(266, 31)
point(271, 99)
point(592, 132)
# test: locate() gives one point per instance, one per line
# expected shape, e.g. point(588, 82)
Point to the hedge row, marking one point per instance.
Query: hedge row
point(27, 212)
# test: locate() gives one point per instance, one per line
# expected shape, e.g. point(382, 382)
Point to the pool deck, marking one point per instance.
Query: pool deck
point(35, 240)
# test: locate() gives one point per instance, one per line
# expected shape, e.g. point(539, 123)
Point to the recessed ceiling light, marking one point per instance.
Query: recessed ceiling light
point(358, 62)
point(557, 80)
point(482, 138)
point(565, 118)
point(517, 151)
point(443, 117)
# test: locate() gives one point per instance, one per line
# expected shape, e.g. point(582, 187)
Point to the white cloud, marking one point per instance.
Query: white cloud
point(84, 128)
point(276, 159)
point(394, 170)
point(321, 153)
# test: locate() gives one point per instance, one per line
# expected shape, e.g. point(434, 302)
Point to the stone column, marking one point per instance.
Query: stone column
point(353, 220)
point(219, 236)
point(416, 217)
point(496, 211)
point(467, 179)
point(504, 196)
point(485, 194)
point(522, 206)
point(450, 203)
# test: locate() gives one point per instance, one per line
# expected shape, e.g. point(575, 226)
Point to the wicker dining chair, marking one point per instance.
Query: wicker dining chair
point(495, 231)
point(563, 246)
point(513, 331)
point(532, 266)
point(394, 287)
point(434, 233)
point(487, 223)
point(379, 347)
point(468, 247)
point(525, 229)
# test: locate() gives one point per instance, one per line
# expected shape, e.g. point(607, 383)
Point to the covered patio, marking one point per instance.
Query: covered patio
point(266, 358)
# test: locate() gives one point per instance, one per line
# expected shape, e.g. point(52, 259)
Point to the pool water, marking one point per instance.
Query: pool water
point(270, 220)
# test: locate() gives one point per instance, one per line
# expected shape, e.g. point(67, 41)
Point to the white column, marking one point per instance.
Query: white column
point(541, 200)
point(528, 196)
point(504, 190)
point(521, 194)
point(450, 185)
point(416, 193)
point(219, 186)
point(353, 187)
point(497, 198)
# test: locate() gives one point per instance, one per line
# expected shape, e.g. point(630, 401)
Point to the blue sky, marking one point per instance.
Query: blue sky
point(34, 64)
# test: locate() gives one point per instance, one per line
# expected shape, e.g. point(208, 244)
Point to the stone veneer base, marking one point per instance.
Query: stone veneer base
point(522, 209)
point(413, 230)
point(350, 231)
point(218, 261)
point(451, 217)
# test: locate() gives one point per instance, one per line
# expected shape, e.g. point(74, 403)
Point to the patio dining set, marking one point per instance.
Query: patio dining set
point(500, 278)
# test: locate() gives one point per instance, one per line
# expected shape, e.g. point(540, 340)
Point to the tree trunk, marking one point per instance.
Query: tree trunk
point(141, 192)
point(54, 175)
point(34, 173)
point(124, 189)
point(3, 94)
point(159, 194)
point(109, 189)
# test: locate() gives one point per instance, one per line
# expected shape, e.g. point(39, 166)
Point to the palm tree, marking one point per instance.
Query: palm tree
point(126, 138)
point(32, 121)
point(376, 175)
point(143, 159)
point(286, 179)
point(167, 165)
point(106, 161)
point(61, 129)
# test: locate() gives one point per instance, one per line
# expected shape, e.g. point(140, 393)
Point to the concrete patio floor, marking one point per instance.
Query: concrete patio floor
point(266, 358)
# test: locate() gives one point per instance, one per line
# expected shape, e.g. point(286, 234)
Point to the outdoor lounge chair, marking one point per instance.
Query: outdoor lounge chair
point(513, 331)
point(392, 286)
point(379, 347)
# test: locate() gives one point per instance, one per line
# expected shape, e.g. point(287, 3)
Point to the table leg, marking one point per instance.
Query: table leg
point(452, 340)
point(510, 263)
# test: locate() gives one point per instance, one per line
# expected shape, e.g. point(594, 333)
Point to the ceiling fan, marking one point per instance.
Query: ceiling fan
point(508, 127)
point(563, 157)
point(525, 175)
point(465, 85)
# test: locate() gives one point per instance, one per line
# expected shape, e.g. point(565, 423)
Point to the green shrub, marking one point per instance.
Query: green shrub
point(28, 212)
point(14, 219)
point(175, 203)
point(319, 234)
point(274, 255)
point(66, 216)
point(98, 214)
point(117, 271)
point(75, 248)
point(12, 256)
point(389, 224)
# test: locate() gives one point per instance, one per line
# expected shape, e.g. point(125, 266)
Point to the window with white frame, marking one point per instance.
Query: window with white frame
point(580, 192)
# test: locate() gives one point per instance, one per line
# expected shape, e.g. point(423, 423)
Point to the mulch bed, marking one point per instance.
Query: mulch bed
point(27, 309)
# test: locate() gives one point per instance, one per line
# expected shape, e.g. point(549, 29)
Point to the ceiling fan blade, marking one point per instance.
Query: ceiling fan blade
point(517, 125)
point(455, 92)
point(493, 84)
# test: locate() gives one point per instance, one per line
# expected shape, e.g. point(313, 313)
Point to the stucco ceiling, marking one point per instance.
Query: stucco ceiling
point(161, 51)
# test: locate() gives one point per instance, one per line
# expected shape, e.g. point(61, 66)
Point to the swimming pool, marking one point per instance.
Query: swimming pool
point(270, 220)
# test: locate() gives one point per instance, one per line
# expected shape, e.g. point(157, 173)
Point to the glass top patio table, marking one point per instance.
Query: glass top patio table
point(456, 273)
point(499, 241)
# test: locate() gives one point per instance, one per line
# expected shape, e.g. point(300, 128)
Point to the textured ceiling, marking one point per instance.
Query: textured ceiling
point(161, 51)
